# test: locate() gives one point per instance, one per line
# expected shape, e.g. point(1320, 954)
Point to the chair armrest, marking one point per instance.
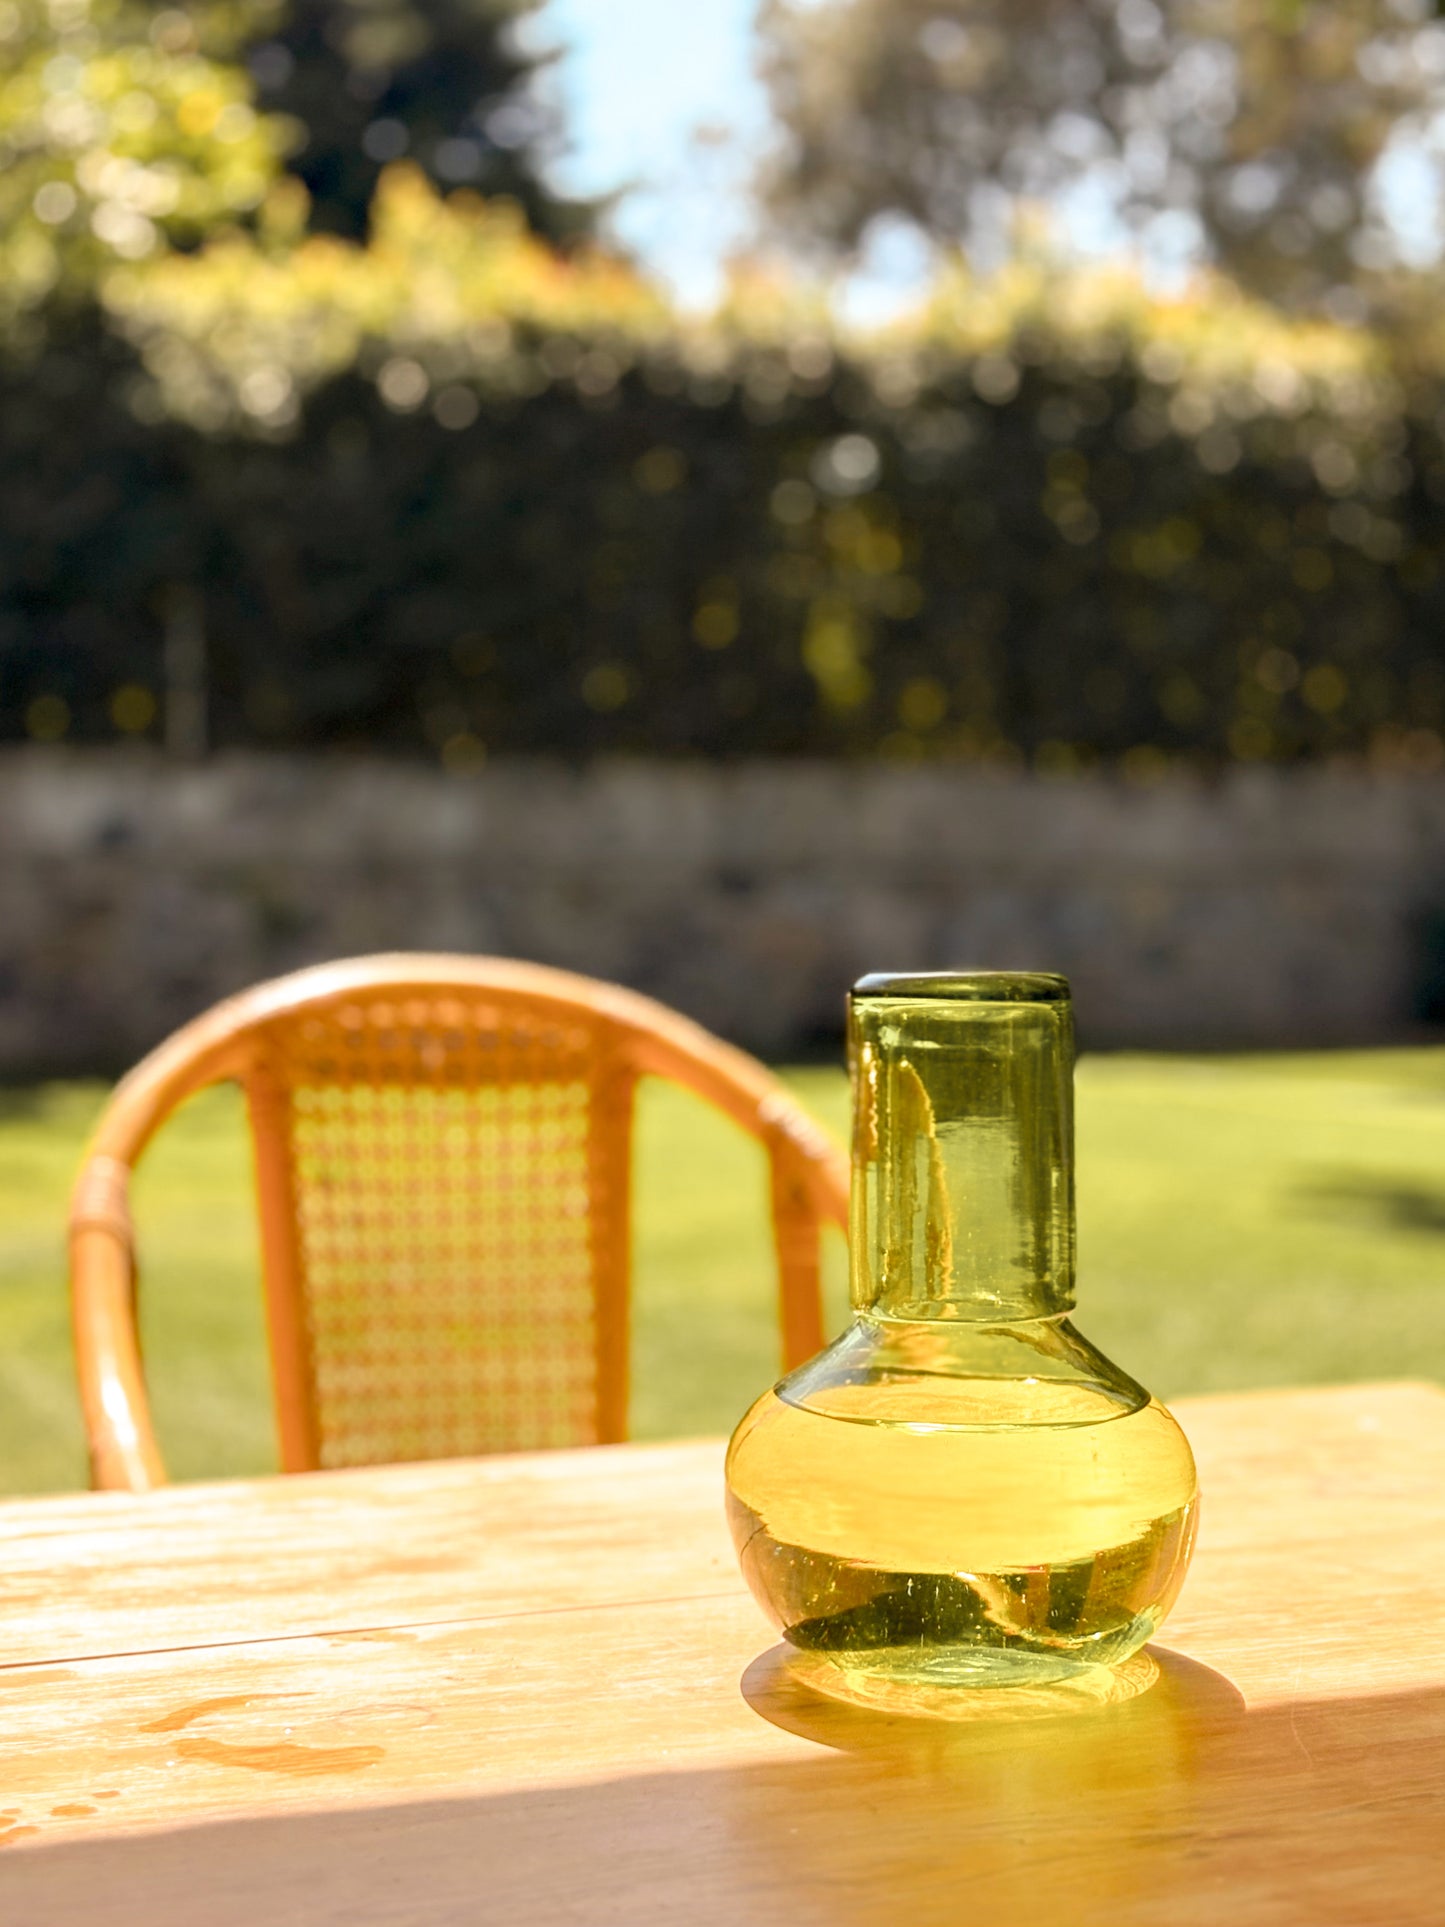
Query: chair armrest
point(124, 1456)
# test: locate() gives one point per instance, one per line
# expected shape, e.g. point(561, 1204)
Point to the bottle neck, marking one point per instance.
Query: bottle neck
point(963, 1152)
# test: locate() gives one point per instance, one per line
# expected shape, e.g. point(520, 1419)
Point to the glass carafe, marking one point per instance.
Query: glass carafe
point(960, 1490)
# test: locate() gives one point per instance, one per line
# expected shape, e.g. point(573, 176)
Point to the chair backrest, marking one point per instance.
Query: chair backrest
point(443, 1162)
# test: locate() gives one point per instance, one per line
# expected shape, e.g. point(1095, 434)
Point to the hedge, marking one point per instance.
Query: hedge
point(452, 494)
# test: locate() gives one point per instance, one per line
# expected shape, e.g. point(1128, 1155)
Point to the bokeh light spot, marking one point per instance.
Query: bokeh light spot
point(47, 718)
point(606, 687)
point(132, 708)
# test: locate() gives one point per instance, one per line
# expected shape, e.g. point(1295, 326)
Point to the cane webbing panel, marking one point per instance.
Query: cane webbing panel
point(447, 1196)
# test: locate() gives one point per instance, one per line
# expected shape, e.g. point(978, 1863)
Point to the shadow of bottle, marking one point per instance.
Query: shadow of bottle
point(1030, 1797)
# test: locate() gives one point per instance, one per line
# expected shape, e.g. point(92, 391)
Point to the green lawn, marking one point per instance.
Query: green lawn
point(1249, 1221)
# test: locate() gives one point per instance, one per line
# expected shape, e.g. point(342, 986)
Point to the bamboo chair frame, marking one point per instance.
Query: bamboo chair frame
point(241, 1040)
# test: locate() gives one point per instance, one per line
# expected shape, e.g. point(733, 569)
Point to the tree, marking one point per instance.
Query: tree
point(123, 129)
point(446, 82)
point(127, 129)
point(1251, 130)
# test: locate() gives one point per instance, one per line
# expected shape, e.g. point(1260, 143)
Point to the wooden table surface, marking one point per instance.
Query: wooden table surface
point(533, 1690)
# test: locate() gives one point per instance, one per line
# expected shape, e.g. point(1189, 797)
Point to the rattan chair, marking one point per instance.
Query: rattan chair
point(443, 1166)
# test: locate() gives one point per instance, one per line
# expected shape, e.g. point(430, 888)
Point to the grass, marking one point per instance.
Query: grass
point(1248, 1221)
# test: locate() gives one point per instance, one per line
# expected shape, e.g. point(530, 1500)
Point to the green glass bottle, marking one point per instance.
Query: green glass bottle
point(961, 1490)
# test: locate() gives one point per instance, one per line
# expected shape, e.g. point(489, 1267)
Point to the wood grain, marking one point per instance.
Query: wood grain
point(635, 1752)
point(346, 1551)
point(92, 1573)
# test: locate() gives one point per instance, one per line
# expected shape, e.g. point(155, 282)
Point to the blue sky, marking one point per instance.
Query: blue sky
point(638, 79)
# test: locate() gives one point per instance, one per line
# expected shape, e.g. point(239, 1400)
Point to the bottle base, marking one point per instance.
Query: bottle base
point(962, 1667)
point(994, 1686)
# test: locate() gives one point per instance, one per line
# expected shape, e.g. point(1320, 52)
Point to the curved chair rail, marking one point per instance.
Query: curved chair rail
point(376, 1031)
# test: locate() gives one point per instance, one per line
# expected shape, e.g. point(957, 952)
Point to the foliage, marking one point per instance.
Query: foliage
point(123, 129)
point(451, 491)
point(1255, 124)
point(454, 494)
point(237, 334)
point(128, 130)
point(446, 81)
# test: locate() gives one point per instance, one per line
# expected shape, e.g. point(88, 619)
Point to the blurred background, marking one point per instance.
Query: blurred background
point(724, 498)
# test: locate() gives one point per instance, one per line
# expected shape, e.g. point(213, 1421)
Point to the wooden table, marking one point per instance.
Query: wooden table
point(533, 1690)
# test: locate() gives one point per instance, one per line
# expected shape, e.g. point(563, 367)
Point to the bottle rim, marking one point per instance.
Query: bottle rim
point(964, 986)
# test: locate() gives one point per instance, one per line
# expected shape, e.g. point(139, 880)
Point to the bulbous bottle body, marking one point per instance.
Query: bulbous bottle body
point(961, 1490)
point(964, 1527)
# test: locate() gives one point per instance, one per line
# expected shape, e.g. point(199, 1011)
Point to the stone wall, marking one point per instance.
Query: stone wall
point(1274, 907)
